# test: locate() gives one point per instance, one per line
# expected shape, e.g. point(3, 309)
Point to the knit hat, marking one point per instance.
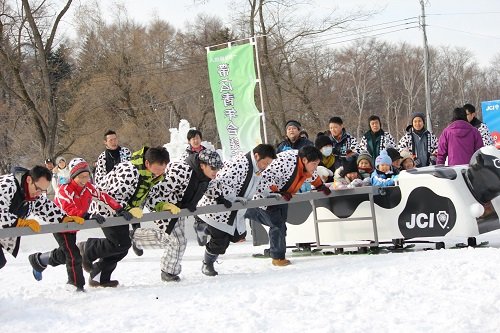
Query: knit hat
point(322, 140)
point(418, 114)
point(393, 154)
point(405, 154)
point(77, 166)
point(211, 158)
point(383, 158)
point(349, 164)
point(293, 123)
point(365, 155)
point(59, 159)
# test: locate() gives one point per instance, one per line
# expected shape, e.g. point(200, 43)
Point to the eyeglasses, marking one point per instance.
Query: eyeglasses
point(39, 189)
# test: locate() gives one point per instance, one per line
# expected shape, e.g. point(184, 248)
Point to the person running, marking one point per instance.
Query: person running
point(23, 198)
point(129, 184)
point(73, 198)
point(184, 185)
point(236, 181)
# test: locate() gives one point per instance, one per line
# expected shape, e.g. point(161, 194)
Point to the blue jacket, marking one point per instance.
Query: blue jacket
point(381, 179)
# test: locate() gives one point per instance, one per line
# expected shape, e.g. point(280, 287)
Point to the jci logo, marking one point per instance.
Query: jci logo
point(423, 220)
point(427, 214)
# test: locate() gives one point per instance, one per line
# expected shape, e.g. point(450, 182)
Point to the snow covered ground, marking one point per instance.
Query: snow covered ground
point(426, 291)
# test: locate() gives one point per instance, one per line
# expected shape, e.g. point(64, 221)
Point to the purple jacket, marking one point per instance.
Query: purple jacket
point(459, 141)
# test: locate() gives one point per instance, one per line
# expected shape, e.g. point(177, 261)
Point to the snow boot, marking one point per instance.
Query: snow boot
point(138, 252)
point(86, 263)
point(37, 265)
point(281, 262)
point(200, 228)
point(208, 264)
point(167, 277)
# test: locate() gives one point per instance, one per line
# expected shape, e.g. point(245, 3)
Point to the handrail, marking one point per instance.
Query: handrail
point(116, 221)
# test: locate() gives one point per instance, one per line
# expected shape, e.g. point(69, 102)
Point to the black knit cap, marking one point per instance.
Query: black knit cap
point(293, 123)
point(322, 140)
point(349, 164)
point(393, 154)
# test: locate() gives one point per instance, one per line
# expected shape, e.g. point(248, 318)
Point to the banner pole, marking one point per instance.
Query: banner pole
point(253, 40)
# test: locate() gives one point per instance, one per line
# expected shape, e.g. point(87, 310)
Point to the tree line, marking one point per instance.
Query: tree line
point(58, 96)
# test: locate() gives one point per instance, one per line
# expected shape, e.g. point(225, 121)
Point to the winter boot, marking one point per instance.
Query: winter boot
point(138, 252)
point(86, 263)
point(200, 228)
point(281, 262)
point(167, 277)
point(109, 284)
point(37, 265)
point(208, 264)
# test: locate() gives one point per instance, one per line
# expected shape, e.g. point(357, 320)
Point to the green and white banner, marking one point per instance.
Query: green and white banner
point(232, 80)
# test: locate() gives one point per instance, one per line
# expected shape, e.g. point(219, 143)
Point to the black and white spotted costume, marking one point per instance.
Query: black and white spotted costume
point(101, 170)
point(239, 177)
point(123, 184)
point(406, 142)
point(183, 186)
point(13, 205)
point(284, 175)
point(386, 141)
point(484, 131)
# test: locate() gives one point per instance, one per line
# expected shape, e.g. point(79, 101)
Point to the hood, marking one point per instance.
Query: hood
point(461, 128)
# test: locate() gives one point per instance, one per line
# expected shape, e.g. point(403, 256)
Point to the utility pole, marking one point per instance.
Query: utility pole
point(428, 109)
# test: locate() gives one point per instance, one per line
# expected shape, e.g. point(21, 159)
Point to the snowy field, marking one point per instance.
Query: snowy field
point(427, 291)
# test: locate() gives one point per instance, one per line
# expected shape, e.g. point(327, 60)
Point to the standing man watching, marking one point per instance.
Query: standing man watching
point(344, 144)
point(293, 139)
point(113, 155)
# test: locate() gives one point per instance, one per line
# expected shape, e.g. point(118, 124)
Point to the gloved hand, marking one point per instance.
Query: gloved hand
point(98, 218)
point(323, 188)
point(32, 224)
point(274, 196)
point(125, 214)
point(287, 196)
point(136, 212)
point(167, 206)
point(223, 201)
point(76, 219)
point(242, 200)
point(191, 208)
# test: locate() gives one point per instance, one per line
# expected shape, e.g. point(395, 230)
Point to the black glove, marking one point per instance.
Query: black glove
point(287, 196)
point(191, 208)
point(98, 218)
point(125, 214)
point(323, 188)
point(221, 200)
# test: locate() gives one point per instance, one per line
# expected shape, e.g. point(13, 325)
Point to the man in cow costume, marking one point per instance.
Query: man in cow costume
point(129, 184)
point(22, 198)
point(184, 184)
point(283, 178)
point(236, 181)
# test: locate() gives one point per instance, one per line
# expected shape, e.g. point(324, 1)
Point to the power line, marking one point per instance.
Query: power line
point(357, 34)
point(462, 13)
point(465, 32)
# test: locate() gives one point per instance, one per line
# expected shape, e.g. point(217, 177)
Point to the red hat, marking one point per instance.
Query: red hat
point(77, 166)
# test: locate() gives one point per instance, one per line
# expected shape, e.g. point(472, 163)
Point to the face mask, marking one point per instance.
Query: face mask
point(326, 151)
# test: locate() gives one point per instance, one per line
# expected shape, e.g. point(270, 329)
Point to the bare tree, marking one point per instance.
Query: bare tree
point(27, 40)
